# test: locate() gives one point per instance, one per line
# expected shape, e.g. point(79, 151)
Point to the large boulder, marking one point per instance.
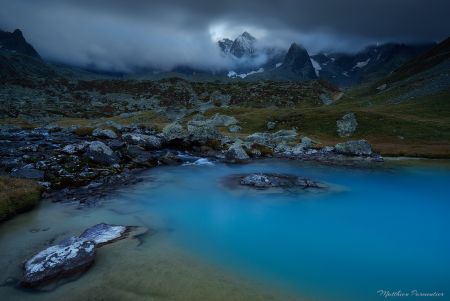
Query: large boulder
point(99, 152)
point(146, 141)
point(104, 133)
point(346, 126)
point(259, 138)
point(72, 256)
point(236, 153)
point(174, 131)
point(354, 148)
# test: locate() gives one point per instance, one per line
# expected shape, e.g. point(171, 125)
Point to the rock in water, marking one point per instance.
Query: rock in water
point(354, 148)
point(346, 126)
point(102, 234)
point(101, 153)
point(277, 180)
point(72, 256)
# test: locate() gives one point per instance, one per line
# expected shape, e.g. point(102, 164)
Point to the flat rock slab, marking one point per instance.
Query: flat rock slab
point(72, 256)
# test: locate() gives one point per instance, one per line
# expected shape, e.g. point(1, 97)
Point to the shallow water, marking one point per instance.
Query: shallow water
point(375, 229)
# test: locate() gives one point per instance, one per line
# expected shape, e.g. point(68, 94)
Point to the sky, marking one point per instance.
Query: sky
point(120, 35)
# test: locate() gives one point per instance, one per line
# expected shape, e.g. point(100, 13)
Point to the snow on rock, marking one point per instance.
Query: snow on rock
point(69, 257)
point(278, 65)
point(316, 66)
point(361, 64)
point(103, 233)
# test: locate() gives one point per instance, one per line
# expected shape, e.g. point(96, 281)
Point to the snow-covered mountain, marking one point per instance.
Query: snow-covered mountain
point(371, 63)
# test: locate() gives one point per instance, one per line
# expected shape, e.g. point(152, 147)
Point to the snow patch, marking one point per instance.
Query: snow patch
point(361, 64)
point(278, 65)
point(316, 66)
point(233, 74)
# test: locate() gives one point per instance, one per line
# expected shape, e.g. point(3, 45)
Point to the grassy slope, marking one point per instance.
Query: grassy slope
point(16, 196)
point(419, 127)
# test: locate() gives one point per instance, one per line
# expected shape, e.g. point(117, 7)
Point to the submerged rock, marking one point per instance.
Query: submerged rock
point(102, 234)
point(346, 126)
point(72, 256)
point(277, 180)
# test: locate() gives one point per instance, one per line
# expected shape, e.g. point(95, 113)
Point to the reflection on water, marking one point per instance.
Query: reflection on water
point(375, 229)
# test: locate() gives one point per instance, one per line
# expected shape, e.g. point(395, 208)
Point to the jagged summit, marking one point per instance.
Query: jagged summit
point(243, 45)
point(15, 42)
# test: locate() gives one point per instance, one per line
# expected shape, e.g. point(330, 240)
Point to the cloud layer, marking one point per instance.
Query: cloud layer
point(124, 35)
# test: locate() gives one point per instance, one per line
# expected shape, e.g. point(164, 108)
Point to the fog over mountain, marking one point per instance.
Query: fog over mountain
point(125, 36)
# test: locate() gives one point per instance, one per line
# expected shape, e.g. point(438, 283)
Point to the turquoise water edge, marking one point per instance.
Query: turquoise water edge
point(383, 228)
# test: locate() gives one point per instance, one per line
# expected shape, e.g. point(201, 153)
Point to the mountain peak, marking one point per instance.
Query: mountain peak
point(15, 42)
point(243, 45)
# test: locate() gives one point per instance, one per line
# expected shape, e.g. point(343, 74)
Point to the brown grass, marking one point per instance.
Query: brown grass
point(16, 196)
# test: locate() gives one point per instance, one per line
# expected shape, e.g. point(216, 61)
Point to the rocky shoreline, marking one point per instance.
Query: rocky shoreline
point(82, 165)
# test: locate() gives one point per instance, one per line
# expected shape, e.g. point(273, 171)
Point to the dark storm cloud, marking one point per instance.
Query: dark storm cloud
point(127, 34)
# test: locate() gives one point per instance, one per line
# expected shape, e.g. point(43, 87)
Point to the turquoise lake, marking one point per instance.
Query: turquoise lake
point(383, 228)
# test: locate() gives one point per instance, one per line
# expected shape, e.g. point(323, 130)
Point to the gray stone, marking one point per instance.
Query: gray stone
point(271, 125)
point(101, 153)
point(174, 131)
point(277, 180)
point(354, 148)
point(202, 131)
point(236, 153)
point(223, 120)
point(146, 141)
point(104, 133)
point(234, 128)
point(346, 126)
point(75, 148)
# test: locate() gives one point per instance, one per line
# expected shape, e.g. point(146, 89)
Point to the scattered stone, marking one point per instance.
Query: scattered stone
point(101, 153)
point(234, 128)
point(28, 173)
point(104, 133)
point(354, 148)
point(202, 131)
point(346, 126)
point(174, 131)
point(223, 120)
point(271, 125)
point(236, 153)
point(75, 148)
point(146, 141)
